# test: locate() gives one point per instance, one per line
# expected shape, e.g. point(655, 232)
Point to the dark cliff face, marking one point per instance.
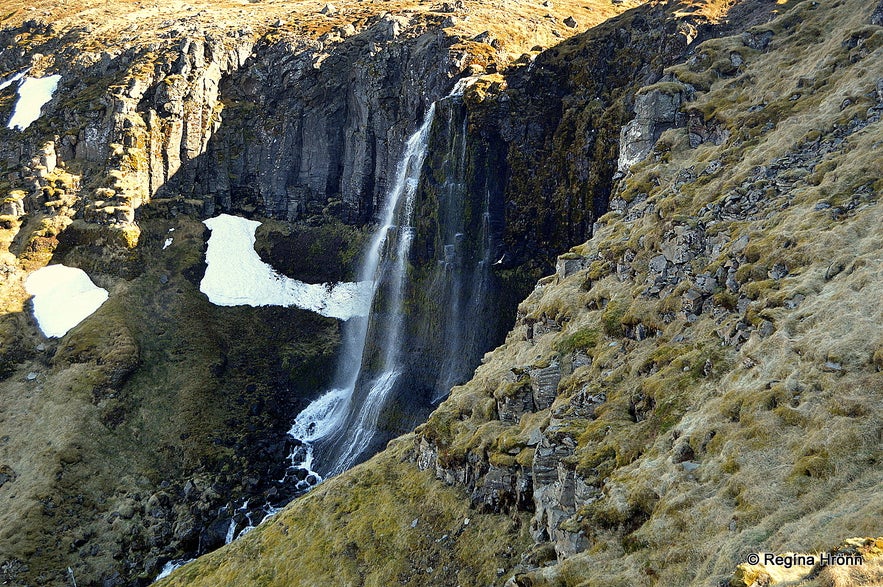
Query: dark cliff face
point(454, 305)
point(306, 129)
point(557, 120)
point(269, 123)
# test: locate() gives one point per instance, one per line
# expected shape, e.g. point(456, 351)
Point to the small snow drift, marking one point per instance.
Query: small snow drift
point(236, 276)
point(63, 297)
point(12, 79)
point(33, 93)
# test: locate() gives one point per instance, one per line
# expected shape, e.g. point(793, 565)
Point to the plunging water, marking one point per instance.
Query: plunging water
point(349, 415)
point(429, 319)
point(435, 308)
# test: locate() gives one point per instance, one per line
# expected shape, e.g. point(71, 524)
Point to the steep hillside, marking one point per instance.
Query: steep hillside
point(135, 439)
point(698, 382)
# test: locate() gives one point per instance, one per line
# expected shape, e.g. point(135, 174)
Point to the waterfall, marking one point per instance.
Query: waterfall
point(343, 409)
point(431, 315)
point(436, 308)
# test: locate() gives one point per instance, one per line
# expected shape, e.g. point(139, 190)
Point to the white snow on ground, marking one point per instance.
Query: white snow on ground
point(167, 244)
point(63, 297)
point(33, 93)
point(236, 276)
point(13, 79)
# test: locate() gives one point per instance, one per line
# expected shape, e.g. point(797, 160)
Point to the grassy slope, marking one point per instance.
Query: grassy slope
point(156, 387)
point(197, 380)
point(785, 428)
point(121, 23)
point(367, 535)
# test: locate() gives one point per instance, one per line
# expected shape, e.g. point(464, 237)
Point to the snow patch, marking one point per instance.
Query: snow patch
point(63, 297)
point(33, 93)
point(236, 276)
point(12, 80)
point(167, 244)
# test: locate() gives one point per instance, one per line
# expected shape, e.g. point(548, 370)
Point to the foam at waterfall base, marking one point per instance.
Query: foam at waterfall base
point(362, 429)
point(321, 417)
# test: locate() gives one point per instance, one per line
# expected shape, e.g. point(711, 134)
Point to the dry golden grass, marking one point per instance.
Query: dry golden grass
point(518, 26)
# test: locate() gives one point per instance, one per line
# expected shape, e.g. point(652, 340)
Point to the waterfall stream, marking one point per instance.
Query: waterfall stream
point(424, 332)
point(350, 411)
point(431, 319)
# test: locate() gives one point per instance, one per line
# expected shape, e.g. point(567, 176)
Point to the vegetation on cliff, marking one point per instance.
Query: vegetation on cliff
point(698, 382)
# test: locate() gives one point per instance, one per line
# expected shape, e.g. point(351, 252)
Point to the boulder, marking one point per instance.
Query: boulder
point(656, 110)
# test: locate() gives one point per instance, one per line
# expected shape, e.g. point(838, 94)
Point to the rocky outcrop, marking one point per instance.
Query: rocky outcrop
point(312, 125)
point(306, 126)
point(559, 118)
point(656, 110)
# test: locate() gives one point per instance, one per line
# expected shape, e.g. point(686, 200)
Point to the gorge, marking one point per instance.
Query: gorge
point(548, 293)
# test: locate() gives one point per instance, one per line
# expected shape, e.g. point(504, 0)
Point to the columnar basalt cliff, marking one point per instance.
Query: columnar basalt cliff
point(306, 123)
point(695, 383)
point(306, 128)
point(696, 378)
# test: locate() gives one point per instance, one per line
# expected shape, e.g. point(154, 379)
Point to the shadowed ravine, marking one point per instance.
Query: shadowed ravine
point(384, 384)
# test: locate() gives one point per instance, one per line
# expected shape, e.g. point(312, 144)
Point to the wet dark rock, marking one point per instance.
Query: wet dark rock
point(7, 475)
point(503, 488)
point(683, 452)
point(485, 37)
point(515, 404)
point(779, 271)
point(877, 15)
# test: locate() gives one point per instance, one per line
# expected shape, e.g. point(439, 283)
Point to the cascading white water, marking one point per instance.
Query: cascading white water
point(428, 322)
point(430, 316)
point(448, 280)
point(339, 411)
point(335, 411)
